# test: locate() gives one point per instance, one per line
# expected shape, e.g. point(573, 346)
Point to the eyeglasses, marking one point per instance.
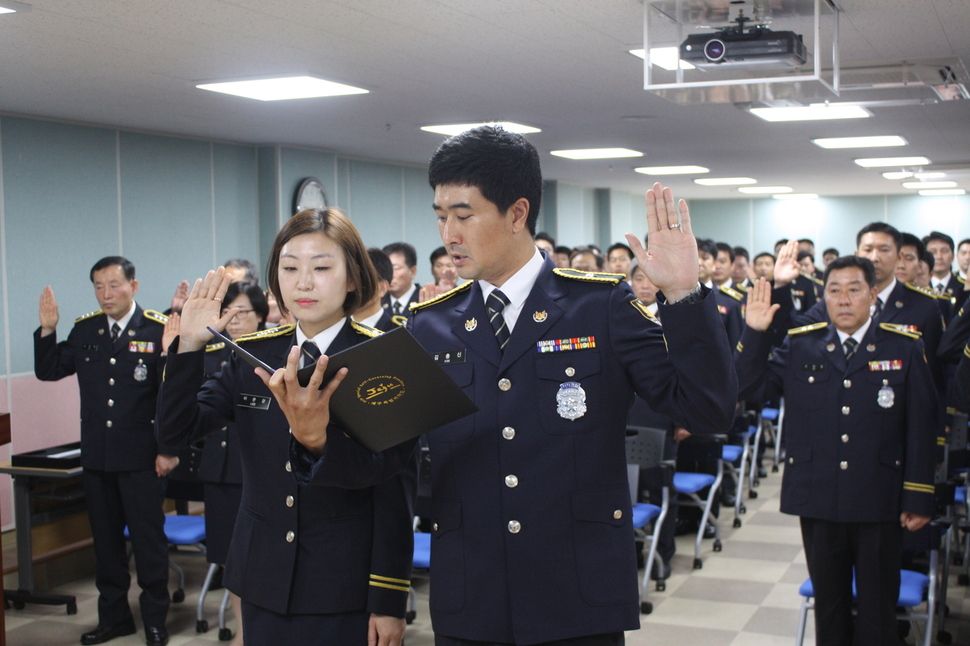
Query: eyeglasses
point(239, 313)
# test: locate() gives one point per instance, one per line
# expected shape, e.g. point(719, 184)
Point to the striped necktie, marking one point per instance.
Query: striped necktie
point(495, 304)
point(849, 345)
point(310, 353)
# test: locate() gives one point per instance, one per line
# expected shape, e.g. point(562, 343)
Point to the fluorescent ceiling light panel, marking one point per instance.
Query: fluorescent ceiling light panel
point(945, 191)
point(796, 196)
point(10, 6)
point(860, 142)
point(458, 128)
point(881, 162)
point(725, 181)
point(280, 89)
point(596, 153)
point(758, 190)
point(814, 112)
point(664, 57)
point(898, 174)
point(933, 175)
point(672, 170)
point(919, 185)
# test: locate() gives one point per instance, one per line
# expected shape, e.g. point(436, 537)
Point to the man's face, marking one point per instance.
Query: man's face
point(943, 256)
point(619, 262)
point(805, 265)
point(114, 292)
point(584, 262)
point(739, 270)
point(403, 278)
point(848, 299)
point(806, 246)
point(722, 268)
point(963, 257)
point(923, 275)
point(764, 267)
point(907, 267)
point(880, 248)
point(705, 266)
point(545, 246)
point(827, 258)
point(561, 260)
point(643, 288)
point(443, 270)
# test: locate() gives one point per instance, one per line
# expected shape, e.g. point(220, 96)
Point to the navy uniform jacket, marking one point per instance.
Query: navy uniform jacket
point(389, 321)
point(730, 303)
point(298, 549)
point(118, 383)
point(221, 461)
point(532, 537)
point(961, 382)
point(860, 437)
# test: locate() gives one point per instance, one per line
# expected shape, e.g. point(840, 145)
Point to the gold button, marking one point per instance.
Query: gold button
point(288, 467)
point(111, 402)
point(223, 444)
point(515, 526)
point(434, 527)
point(289, 501)
point(111, 382)
point(846, 410)
point(570, 371)
point(290, 536)
point(508, 432)
point(112, 361)
point(811, 380)
point(845, 438)
point(511, 481)
point(225, 428)
point(504, 384)
point(618, 514)
point(847, 383)
point(108, 423)
point(843, 465)
point(898, 463)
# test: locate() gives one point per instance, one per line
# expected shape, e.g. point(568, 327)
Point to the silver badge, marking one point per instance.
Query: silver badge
point(571, 400)
point(471, 324)
point(886, 397)
point(141, 371)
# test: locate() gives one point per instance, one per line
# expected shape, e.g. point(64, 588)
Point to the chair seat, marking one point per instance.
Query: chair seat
point(960, 495)
point(692, 482)
point(770, 414)
point(182, 530)
point(731, 452)
point(643, 513)
point(912, 585)
point(422, 550)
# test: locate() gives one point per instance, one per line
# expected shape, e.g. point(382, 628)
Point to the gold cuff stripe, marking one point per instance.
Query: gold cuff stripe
point(919, 488)
point(389, 586)
point(740, 347)
point(966, 351)
point(941, 441)
point(388, 579)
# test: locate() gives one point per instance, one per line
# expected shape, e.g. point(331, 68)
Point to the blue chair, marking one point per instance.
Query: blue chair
point(182, 531)
point(709, 449)
point(770, 421)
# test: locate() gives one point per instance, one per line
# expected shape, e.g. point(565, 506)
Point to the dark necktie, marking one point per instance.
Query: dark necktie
point(877, 309)
point(849, 345)
point(115, 331)
point(495, 304)
point(397, 308)
point(310, 353)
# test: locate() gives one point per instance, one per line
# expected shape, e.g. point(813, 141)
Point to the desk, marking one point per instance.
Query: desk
point(25, 481)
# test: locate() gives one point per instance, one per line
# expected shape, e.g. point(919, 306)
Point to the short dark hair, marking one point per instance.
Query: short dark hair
point(830, 250)
point(252, 273)
point(725, 247)
point(382, 264)
point(963, 242)
point(880, 227)
point(110, 261)
point(563, 249)
point(707, 246)
point(437, 253)
point(590, 250)
point(406, 250)
point(844, 262)
point(502, 165)
point(765, 254)
point(909, 240)
point(939, 235)
point(929, 259)
point(802, 255)
point(806, 241)
point(619, 245)
point(251, 290)
point(782, 241)
point(742, 252)
point(542, 235)
point(336, 226)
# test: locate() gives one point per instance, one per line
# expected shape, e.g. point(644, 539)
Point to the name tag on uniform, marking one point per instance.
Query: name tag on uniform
point(89, 346)
point(453, 356)
point(141, 346)
point(259, 402)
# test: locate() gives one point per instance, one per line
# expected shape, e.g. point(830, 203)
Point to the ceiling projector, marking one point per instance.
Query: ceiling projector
point(735, 46)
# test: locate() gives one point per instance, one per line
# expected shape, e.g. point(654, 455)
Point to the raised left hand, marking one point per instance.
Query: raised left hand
point(670, 259)
point(164, 464)
point(170, 332)
point(383, 630)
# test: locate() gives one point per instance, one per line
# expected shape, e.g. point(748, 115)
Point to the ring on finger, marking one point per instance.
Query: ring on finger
point(674, 226)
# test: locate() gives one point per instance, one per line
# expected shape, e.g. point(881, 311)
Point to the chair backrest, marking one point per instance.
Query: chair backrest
point(645, 446)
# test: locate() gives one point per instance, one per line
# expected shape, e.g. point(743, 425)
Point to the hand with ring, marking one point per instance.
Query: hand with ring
point(202, 309)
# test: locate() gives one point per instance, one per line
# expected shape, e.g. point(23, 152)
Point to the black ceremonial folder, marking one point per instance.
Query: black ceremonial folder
point(393, 391)
point(65, 456)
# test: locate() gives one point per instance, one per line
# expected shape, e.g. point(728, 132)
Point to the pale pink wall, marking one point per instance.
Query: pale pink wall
point(6, 488)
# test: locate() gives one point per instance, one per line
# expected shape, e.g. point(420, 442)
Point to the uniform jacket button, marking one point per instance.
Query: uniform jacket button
point(108, 423)
point(508, 432)
point(515, 526)
point(112, 361)
point(434, 527)
point(111, 382)
point(847, 383)
point(511, 481)
point(290, 536)
point(288, 467)
point(289, 501)
point(843, 465)
point(618, 514)
point(846, 410)
point(845, 438)
point(223, 444)
point(504, 384)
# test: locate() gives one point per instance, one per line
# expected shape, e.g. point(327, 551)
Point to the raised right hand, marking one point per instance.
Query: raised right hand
point(786, 266)
point(759, 311)
point(49, 315)
point(202, 309)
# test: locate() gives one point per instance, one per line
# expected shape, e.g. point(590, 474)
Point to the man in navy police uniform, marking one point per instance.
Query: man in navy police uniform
point(532, 537)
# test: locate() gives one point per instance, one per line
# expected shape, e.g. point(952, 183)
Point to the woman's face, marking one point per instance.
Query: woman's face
point(246, 321)
point(313, 281)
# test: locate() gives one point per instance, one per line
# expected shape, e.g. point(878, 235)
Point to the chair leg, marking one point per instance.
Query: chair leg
point(222, 611)
point(201, 625)
point(706, 516)
point(802, 619)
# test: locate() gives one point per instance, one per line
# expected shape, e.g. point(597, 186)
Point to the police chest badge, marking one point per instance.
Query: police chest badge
point(571, 400)
point(141, 371)
point(886, 397)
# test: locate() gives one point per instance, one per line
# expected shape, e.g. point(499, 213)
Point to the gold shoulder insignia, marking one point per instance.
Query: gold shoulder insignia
point(414, 307)
point(961, 279)
point(158, 317)
point(966, 351)
point(647, 314)
point(399, 319)
point(742, 288)
point(815, 279)
point(901, 329)
point(589, 276)
point(88, 316)
point(273, 332)
point(921, 290)
point(733, 293)
point(366, 330)
point(807, 328)
point(213, 347)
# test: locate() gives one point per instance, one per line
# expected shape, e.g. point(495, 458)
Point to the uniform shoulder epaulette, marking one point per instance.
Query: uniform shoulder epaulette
point(742, 288)
point(647, 314)
point(399, 320)
point(733, 293)
point(414, 307)
point(922, 290)
point(366, 330)
point(213, 347)
point(944, 296)
point(88, 316)
point(808, 328)
point(960, 279)
point(815, 279)
point(966, 351)
point(273, 332)
point(900, 329)
point(158, 317)
point(589, 276)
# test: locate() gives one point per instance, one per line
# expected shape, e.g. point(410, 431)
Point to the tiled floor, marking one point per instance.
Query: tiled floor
point(746, 595)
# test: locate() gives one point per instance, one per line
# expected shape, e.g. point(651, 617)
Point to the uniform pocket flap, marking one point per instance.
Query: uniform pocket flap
point(460, 373)
point(446, 516)
point(610, 505)
point(568, 366)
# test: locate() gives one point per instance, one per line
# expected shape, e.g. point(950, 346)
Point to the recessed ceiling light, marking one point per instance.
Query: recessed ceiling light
point(672, 170)
point(279, 89)
point(796, 196)
point(458, 128)
point(596, 153)
point(664, 57)
point(860, 142)
point(765, 189)
point(927, 175)
point(813, 112)
point(9, 6)
point(898, 174)
point(877, 162)
point(945, 191)
point(919, 185)
point(725, 181)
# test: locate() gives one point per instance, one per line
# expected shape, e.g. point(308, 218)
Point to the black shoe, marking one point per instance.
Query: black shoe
point(710, 531)
point(156, 636)
point(660, 570)
point(101, 634)
point(728, 499)
point(762, 473)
